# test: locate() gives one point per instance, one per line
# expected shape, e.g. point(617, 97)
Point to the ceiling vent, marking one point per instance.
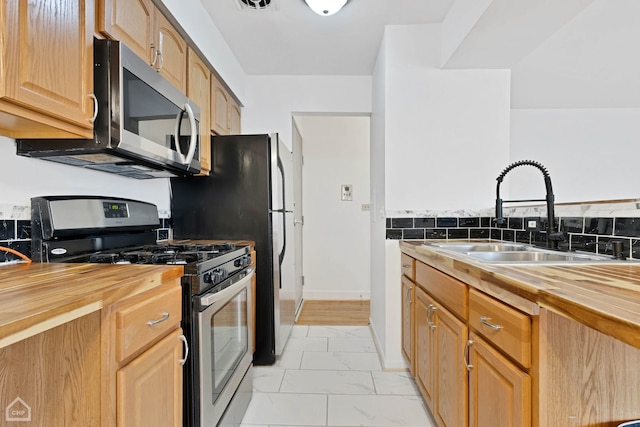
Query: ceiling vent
point(256, 4)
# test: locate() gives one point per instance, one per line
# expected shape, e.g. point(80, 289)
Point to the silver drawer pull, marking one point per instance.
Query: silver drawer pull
point(164, 317)
point(465, 355)
point(485, 321)
point(405, 266)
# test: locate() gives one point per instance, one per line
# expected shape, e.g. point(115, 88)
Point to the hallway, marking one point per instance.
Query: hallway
point(331, 376)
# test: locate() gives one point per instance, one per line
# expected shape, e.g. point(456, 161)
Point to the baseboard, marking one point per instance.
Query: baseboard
point(387, 364)
point(336, 295)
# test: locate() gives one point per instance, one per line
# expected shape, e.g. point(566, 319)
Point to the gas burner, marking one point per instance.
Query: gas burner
point(223, 247)
point(174, 258)
point(135, 257)
point(108, 258)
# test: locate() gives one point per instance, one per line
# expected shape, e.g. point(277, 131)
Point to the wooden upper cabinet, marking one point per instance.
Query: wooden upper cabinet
point(219, 108)
point(46, 76)
point(145, 30)
point(131, 22)
point(171, 59)
point(234, 118)
point(198, 90)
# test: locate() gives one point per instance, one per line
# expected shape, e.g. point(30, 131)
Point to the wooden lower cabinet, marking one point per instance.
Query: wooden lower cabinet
point(442, 378)
point(148, 386)
point(424, 347)
point(141, 352)
point(408, 326)
point(499, 391)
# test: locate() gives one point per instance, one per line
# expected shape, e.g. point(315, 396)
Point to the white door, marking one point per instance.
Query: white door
point(298, 220)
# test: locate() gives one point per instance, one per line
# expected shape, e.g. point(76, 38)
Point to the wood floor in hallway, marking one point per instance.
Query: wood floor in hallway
point(326, 312)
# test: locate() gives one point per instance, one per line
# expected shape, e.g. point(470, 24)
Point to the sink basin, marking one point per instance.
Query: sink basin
point(482, 246)
point(536, 256)
point(518, 253)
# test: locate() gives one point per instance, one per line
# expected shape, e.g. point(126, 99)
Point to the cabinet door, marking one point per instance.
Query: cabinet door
point(424, 346)
point(47, 62)
point(131, 22)
point(150, 387)
point(199, 90)
point(451, 406)
point(408, 323)
point(219, 107)
point(235, 116)
point(172, 53)
point(499, 392)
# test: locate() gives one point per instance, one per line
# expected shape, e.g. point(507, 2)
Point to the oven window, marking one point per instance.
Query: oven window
point(230, 342)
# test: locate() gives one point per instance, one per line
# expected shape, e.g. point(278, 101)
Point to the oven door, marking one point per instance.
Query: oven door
point(225, 340)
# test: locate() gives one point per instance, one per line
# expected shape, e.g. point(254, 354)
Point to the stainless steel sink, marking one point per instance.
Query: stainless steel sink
point(482, 246)
point(536, 256)
point(518, 253)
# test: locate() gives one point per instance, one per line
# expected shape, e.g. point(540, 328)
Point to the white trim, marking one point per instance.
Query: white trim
point(337, 295)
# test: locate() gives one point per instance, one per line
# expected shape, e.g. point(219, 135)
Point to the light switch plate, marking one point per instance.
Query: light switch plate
point(347, 192)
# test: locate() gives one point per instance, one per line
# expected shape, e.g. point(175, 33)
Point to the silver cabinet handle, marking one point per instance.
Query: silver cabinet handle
point(164, 317)
point(485, 321)
point(95, 107)
point(154, 55)
point(409, 295)
point(161, 60)
point(406, 266)
point(186, 350)
point(465, 355)
point(430, 310)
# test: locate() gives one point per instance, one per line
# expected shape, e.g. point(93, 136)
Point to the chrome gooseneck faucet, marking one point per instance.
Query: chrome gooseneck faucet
point(553, 236)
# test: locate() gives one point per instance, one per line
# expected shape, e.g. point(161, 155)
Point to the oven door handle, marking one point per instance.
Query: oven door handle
point(208, 299)
point(186, 350)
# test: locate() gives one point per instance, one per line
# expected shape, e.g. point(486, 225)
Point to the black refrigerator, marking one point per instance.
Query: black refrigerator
point(248, 195)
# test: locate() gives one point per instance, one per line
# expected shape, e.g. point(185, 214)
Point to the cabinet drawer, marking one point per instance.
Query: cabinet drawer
point(449, 291)
point(140, 324)
point(408, 266)
point(505, 327)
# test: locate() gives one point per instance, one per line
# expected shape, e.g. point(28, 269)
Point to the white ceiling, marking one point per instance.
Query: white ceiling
point(289, 39)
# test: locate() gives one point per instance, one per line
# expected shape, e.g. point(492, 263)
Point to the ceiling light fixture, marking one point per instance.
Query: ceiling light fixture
point(326, 7)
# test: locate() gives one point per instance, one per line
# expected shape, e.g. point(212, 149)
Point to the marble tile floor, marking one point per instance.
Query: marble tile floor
point(331, 376)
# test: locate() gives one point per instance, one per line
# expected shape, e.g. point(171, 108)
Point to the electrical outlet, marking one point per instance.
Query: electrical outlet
point(366, 207)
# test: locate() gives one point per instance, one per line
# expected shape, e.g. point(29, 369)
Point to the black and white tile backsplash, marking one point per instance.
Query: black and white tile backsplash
point(589, 227)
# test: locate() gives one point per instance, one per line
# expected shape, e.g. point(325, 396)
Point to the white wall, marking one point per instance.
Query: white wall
point(378, 212)
point(447, 132)
point(25, 178)
point(272, 100)
point(591, 154)
point(446, 138)
point(336, 232)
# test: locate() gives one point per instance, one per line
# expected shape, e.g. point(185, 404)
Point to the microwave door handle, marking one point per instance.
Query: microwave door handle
point(176, 134)
point(194, 134)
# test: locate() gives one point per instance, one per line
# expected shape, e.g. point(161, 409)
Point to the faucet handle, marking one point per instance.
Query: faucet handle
point(500, 221)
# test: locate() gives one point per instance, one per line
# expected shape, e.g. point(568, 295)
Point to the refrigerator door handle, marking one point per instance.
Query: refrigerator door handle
point(284, 222)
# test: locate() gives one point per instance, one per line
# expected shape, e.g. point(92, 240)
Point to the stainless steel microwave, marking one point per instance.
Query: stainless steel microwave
point(144, 127)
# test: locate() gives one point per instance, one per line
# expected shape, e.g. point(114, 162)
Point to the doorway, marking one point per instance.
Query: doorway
point(334, 230)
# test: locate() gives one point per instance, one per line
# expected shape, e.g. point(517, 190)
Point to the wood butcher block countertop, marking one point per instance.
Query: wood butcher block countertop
point(36, 297)
point(603, 296)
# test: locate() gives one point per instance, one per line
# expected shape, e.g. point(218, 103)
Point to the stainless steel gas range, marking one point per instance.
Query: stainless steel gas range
point(217, 294)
